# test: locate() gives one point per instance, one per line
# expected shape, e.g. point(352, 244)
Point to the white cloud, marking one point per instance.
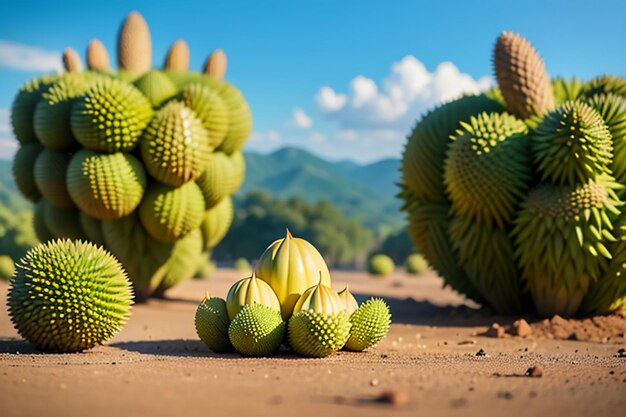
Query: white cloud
point(22, 57)
point(8, 144)
point(268, 136)
point(329, 101)
point(300, 119)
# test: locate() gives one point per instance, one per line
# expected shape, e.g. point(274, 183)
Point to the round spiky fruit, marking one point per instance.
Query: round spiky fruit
point(62, 222)
point(370, 324)
point(106, 186)
point(606, 84)
point(522, 76)
point(216, 222)
point(71, 61)
point(110, 116)
point(39, 222)
point(249, 291)
point(92, 227)
point(24, 170)
point(321, 299)
point(257, 330)
point(208, 105)
point(561, 235)
point(487, 169)
point(97, 56)
point(175, 146)
point(380, 265)
point(169, 213)
point(567, 90)
point(23, 108)
point(177, 59)
point(216, 64)
point(316, 335)
point(415, 264)
point(348, 300)
point(212, 324)
point(572, 144)
point(156, 86)
point(69, 296)
point(7, 267)
point(219, 178)
point(49, 172)
point(134, 45)
point(182, 261)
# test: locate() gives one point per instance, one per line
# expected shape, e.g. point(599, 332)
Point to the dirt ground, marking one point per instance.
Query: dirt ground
point(427, 366)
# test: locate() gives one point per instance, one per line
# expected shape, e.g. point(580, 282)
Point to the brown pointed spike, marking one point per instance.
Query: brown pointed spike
point(134, 45)
point(71, 61)
point(215, 65)
point(177, 59)
point(522, 76)
point(97, 56)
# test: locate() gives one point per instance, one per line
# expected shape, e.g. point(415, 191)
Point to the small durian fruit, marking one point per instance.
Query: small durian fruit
point(612, 109)
point(606, 84)
point(216, 64)
point(110, 116)
point(522, 77)
point(177, 59)
point(370, 324)
point(380, 265)
point(92, 228)
point(39, 222)
point(175, 147)
point(68, 296)
point(134, 45)
point(415, 264)
point(97, 56)
point(23, 108)
point(169, 213)
point(7, 267)
point(106, 186)
point(217, 178)
point(181, 264)
point(567, 90)
point(348, 300)
point(62, 222)
point(216, 222)
point(208, 105)
point(24, 170)
point(156, 86)
point(248, 291)
point(212, 324)
point(49, 172)
point(257, 330)
point(71, 61)
point(242, 266)
point(572, 145)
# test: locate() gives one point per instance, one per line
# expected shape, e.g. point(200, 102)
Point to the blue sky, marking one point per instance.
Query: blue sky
point(345, 79)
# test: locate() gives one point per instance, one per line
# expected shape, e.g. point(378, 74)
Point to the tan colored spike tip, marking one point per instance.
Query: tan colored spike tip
point(522, 76)
point(215, 65)
point(134, 45)
point(177, 59)
point(97, 56)
point(71, 61)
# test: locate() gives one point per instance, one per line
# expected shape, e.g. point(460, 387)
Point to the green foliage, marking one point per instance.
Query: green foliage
point(380, 265)
point(415, 264)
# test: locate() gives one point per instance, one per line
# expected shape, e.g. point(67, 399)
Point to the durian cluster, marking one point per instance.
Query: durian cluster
point(516, 196)
point(141, 161)
point(279, 304)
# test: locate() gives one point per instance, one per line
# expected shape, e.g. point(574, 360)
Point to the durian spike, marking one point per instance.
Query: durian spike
point(97, 56)
point(288, 234)
point(207, 296)
point(71, 61)
point(215, 65)
point(177, 59)
point(134, 45)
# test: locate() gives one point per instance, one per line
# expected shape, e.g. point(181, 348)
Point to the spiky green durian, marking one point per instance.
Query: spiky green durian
point(69, 296)
point(257, 330)
point(348, 300)
point(23, 108)
point(487, 168)
point(24, 170)
point(415, 264)
point(110, 116)
point(239, 171)
point(106, 186)
point(49, 172)
point(210, 109)
point(370, 324)
point(212, 324)
point(175, 146)
point(316, 335)
point(567, 90)
point(156, 86)
point(572, 144)
point(381, 265)
point(249, 291)
point(218, 179)
point(184, 79)
point(606, 84)
point(424, 154)
point(169, 213)
point(216, 222)
point(39, 222)
point(561, 235)
point(62, 222)
point(7, 267)
point(92, 228)
point(180, 265)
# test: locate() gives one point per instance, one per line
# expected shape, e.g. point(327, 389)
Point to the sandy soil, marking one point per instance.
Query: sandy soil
point(157, 367)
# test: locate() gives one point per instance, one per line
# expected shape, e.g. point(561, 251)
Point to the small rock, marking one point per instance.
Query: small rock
point(521, 328)
point(496, 331)
point(621, 353)
point(374, 382)
point(395, 398)
point(535, 371)
point(467, 342)
point(481, 352)
point(507, 395)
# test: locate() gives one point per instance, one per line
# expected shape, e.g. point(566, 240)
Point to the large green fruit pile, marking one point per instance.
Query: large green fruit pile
point(142, 161)
point(516, 196)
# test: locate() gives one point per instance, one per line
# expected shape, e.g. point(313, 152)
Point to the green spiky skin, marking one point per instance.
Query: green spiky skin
point(7, 267)
point(49, 172)
point(606, 84)
point(180, 265)
point(69, 296)
point(315, 335)
point(175, 147)
point(487, 169)
point(39, 222)
point(370, 324)
point(62, 222)
point(106, 186)
point(110, 117)
point(239, 171)
point(210, 109)
point(572, 145)
point(257, 330)
point(92, 228)
point(567, 90)
point(23, 108)
point(415, 264)
point(24, 170)
point(216, 222)
point(156, 86)
point(380, 265)
point(170, 213)
point(218, 179)
point(212, 324)
point(423, 158)
point(562, 234)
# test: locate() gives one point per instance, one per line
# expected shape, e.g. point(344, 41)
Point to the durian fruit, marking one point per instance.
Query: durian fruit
point(92, 228)
point(562, 236)
point(290, 266)
point(49, 172)
point(348, 300)
point(68, 296)
point(242, 266)
point(180, 266)
point(606, 84)
point(175, 146)
point(380, 265)
point(249, 291)
point(7, 267)
point(522, 77)
point(257, 330)
point(177, 59)
point(415, 264)
point(62, 222)
point(106, 186)
point(71, 61)
point(216, 64)
point(212, 324)
point(39, 222)
point(567, 90)
point(97, 56)
point(23, 108)
point(369, 325)
point(239, 171)
point(24, 170)
point(156, 86)
point(216, 222)
point(219, 178)
point(572, 144)
point(209, 107)
point(110, 116)
point(134, 45)
point(169, 213)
